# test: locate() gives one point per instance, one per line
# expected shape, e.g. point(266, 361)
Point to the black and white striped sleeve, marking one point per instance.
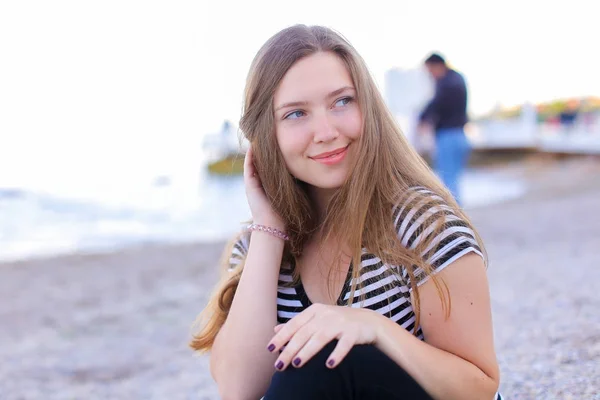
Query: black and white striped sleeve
point(431, 220)
point(239, 251)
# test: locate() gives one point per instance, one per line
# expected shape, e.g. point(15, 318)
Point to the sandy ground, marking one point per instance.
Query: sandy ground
point(115, 326)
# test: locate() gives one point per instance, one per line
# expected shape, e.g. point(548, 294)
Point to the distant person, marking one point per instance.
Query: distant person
point(568, 116)
point(446, 113)
point(359, 277)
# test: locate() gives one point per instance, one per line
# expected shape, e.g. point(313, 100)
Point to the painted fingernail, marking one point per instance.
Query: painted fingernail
point(271, 347)
point(331, 362)
point(279, 365)
point(297, 361)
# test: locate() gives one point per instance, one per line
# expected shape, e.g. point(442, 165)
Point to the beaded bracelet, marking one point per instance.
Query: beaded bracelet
point(269, 230)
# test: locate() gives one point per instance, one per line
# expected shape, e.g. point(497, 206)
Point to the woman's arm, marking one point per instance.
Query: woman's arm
point(457, 359)
point(239, 360)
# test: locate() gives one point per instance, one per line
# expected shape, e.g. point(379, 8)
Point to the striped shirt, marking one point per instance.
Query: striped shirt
point(381, 287)
point(386, 288)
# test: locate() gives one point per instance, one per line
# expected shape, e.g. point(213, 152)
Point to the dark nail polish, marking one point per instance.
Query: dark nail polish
point(271, 347)
point(297, 361)
point(331, 362)
point(279, 365)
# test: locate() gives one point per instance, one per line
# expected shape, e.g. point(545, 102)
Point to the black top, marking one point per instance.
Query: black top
point(448, 108)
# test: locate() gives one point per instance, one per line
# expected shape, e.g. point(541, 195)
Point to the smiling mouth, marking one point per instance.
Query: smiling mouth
point(333, 157)
point(331, 154)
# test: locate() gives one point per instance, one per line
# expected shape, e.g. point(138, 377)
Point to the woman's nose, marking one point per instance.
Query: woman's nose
point(324, 130)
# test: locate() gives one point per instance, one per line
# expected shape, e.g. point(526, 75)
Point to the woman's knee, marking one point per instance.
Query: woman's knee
point(381, 377)
point(367, 357)
point(313, 380)
point(365, 373)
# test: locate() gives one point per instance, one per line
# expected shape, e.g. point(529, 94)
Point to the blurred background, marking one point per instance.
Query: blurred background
point(120, 177)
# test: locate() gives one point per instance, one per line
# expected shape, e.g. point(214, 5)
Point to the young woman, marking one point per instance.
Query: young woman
point(360, 277)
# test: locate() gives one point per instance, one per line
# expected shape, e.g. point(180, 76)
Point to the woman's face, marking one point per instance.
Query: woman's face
point(318, 120)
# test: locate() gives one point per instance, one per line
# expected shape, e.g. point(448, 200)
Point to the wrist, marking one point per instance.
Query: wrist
point(270, 223)
point(262, 239)
point(391, 338)
point(270, 230)
point(380, 323)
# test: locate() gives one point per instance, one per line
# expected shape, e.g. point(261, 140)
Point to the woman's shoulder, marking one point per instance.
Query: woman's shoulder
point(436, 229)
point(418, 193)
point(417, 205)
point(424, 215)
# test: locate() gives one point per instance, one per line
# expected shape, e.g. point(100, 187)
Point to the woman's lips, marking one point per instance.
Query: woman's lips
point(332, 157)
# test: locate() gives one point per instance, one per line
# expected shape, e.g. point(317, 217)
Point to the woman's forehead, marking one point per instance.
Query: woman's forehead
point(313, 78)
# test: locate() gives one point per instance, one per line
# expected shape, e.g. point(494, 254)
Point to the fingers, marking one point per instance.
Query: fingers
point(249, 163)
point(251, 177)
point(298, 342)
point(311, 347)
point(307, 334)
point(343, 347)
point(289, 329)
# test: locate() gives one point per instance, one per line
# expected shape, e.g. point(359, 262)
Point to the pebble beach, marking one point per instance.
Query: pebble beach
point(116, 325)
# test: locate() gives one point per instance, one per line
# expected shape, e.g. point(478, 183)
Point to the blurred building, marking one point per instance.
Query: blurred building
point(406, 92)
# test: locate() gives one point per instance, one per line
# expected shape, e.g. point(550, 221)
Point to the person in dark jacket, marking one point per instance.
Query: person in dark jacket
point(447, 114)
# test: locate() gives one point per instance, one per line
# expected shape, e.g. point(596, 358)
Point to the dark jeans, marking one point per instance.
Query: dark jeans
point(365, 374)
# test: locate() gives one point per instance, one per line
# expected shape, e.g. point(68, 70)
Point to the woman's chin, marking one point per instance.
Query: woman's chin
point(326, 185)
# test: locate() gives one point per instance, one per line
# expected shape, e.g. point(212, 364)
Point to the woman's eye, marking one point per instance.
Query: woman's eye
point(343, 102)
point(294, 115)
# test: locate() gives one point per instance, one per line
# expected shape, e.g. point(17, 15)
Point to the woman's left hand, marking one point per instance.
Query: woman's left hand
point(308, 332)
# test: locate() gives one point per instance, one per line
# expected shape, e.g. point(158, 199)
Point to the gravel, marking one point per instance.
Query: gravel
point(116, 326)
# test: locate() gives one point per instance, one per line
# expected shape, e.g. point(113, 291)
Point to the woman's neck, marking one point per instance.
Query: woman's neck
point(320, 198)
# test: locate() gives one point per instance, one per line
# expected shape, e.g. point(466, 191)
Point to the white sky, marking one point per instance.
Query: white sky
point(91, 78)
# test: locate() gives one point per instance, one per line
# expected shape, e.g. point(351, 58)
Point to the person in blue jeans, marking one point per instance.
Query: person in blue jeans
point(447, 114)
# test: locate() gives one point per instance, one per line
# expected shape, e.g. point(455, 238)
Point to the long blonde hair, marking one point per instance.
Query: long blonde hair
point(361, 210)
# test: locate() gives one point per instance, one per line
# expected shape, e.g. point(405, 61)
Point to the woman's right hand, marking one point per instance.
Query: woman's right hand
point(260, 206)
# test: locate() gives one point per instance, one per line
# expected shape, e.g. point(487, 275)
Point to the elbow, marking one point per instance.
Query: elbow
point(227, 394)
point(229, 391)
point(495, 385)
point(231, 395)
point(234, 387)
point(494, 376)
point(490, 387)
point(483, 388)
point(482, 385)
